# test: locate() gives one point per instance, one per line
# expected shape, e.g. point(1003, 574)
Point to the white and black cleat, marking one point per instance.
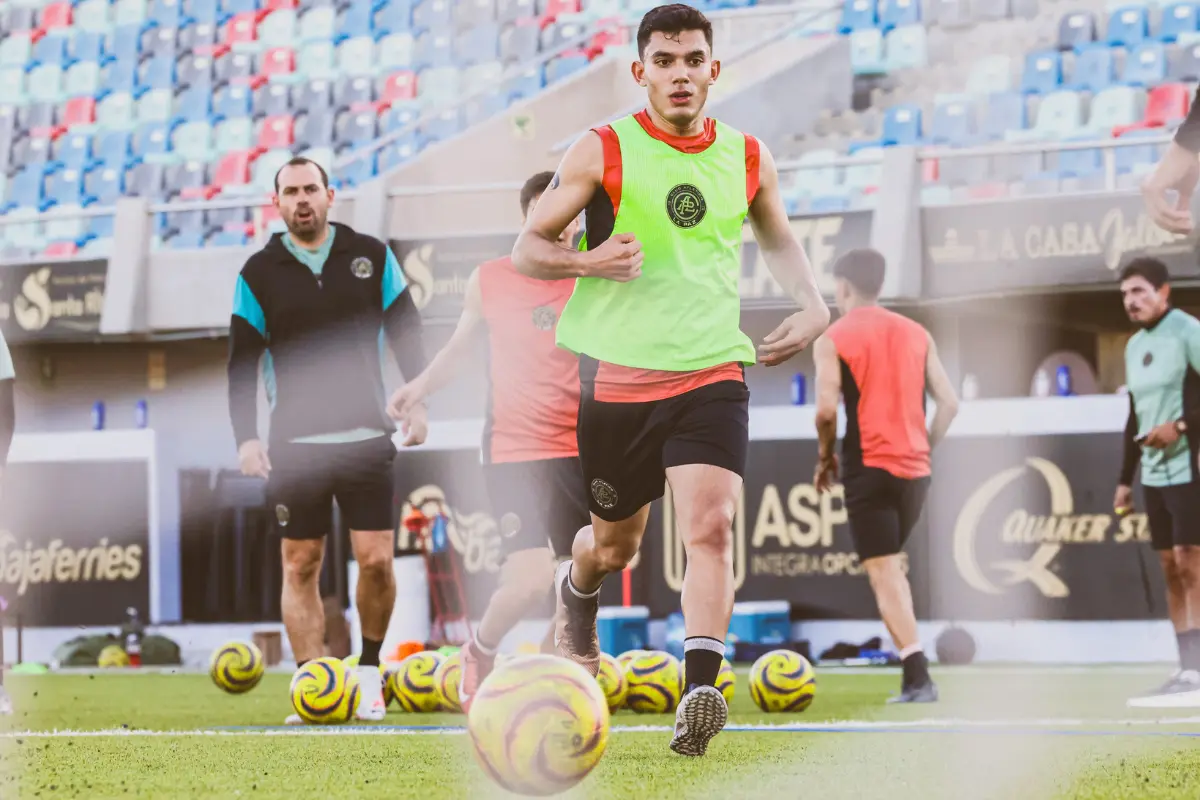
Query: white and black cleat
point(925, 693)
point(701, 715)
point(1182, 690)
point(6, 708)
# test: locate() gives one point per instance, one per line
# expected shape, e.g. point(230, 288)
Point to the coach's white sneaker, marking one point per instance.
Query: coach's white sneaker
point(294, 719)
point(1181, 691)
point(5, 703)
point(371, 707)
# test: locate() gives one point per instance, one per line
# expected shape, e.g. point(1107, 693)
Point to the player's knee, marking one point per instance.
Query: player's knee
point(301, 569)
point(712, 533)
point(614, 556)
point(375, 566)
point(1172, 574)
point(1188, 575)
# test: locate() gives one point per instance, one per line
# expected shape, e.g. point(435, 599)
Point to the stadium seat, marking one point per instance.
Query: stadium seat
point(858, 15)
point(525, 84)
point(952, 124)
point(314, 94)
point(193, 140)
point(272, 100)
point(901, 126)
point(468, 13)
point(113, 147)
point(65, 187)
point(278, 63)
point(231, 8)
point(318, 24)
point(400, 86)
point(1166, 105)
point(74, 150)
point(265, 167)
point(156, 105)
point(511, 11)
point(234, 67)
point(151, 139)
point(232, 101)
point(159, 42)
point(233, 135)
point(165, 13)
point(896, 13)
point(476, 45)
point(279, 28)
point(1075, 29)
point(55, 15)
point(570, 62)
point(1060, 116)
point(432, 15)
point(558, 8)
point(905, 48)
point(228, 238)
point(519, 42)
point(1043, 72)
point(82, 79)
point(242, 28)
point(12, 87)
point(1128, 26)
point(195, 72)
point(351, 91)
point(185, 175)
point(314, 128)
point(104, 185)
point(93, 16)
point(1135, 158)
point(404, 115)
point(233, 169)
point(355, 21)
point(1083, 163)
point(1179, 18)
point(1095, 69)
point(34, 150)
point(119, 76)
point(44, 84)
point(25, 188)
point(1146, 65)
point(199, 39)
point(125, 44)
point(485, 106)
point(398, 152)
point(1115, 107)
point(440, 126)
point(78, 111)
point(189, 240)
point(394, 16)
point(434, 49)
point(355, 129)
point(396, 51)
point(989, 10)
point(866, 51)
point(60, 249)
point(1185, 63)
point(438, 85)
point(356, 56)
point(16, 50)
point(51, 49)
point(488, 76)
point(202, 11)
point(87, 46)
point(279, 132)
point(317, 60)
point(157, 73)
point(358, 171)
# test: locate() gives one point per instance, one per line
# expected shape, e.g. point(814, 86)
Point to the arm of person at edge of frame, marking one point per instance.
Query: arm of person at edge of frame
point(942, 390)
point(829, 392)
point(537, 252)
point(8, 415)
point(449, 361)
point(247, 344)
point(1131, 452)
point(789, 265)
point(403, 330)
point(1178, 170)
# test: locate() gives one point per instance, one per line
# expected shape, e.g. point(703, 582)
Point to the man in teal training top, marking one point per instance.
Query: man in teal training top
point(654, 318)
point(1162, 372)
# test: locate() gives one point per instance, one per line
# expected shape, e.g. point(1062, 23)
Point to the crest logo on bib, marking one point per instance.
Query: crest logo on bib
point(362, 267)
point(686, 206)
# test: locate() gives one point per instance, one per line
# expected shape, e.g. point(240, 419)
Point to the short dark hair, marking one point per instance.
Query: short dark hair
point(672, 19)
point(862, 268)
point(1153, 270)
point(300, 161)
point(533, 187)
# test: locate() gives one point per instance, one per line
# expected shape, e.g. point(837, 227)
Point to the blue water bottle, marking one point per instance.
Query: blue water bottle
point(438, 532)
point(798, 389)
point(98, 415)
point(140, 414)
point(1062, 378)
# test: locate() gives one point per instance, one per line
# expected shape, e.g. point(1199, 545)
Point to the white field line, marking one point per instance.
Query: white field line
point(370, 730)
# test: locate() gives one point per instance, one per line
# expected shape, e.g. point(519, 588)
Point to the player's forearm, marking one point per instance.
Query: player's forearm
point(8, 418)
point(790, 267)
point(538, 257)
point(1131, 451)
point(402, 325)
point(826, 432)
point(245, 349)
point(943, 416)
point(444, 368)
point(1188, 134)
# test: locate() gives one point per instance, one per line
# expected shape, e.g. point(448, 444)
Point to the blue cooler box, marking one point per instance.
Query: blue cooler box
point(767, 622)
point(623, 628)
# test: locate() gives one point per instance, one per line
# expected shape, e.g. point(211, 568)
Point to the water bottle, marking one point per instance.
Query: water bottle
point(133, 637)
point(798, 389)
point(1062, 378)
point(439, 534)
point(98, 415)
point(970, 387)
point(1041, 384)
point(140, 414)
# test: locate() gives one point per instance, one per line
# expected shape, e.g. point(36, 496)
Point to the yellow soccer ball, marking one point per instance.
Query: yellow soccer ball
point(388, 671)
point(726, 680)
point(539, 725)
point(446, 678)
point(782, 680)
point(351, 661)
point(237, 667)
point(413, 683)
point(655, 683)
point(629, 655)
point(113, 656)
point(612, 680)
point(325, 692)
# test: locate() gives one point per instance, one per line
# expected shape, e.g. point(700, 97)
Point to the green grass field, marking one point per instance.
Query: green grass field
point(998, 733)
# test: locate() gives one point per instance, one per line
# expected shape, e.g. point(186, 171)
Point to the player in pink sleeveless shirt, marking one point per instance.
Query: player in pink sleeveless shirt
point(530, 454)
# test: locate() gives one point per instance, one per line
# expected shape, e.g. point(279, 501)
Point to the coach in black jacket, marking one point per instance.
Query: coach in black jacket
point(315, 306)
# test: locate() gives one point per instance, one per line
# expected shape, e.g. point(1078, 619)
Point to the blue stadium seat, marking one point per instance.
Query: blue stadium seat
point(272, 100)
point(403, 115)
point(113, 147)
point(190, 240)
point(396, 51)
point(477, 45)
point(232, 101)
point(356, 19)
point(158, 41)
point(1128, 26)
point(65, 188)
point(348, 91)
point(434, 49)
point(358, 171)
point(519, 43)
point(1146, 66)
point(906, 48)
point(16, 50)
point(478, 109)
point(525, 84)
point(104, 185)
point(1043, 72)
point(195, 71)
point(441, 126)
point(1075, 29)
point(1080, 163)
point(157, 73)
point(120, 75)
point(1136, 158)
point(314, 128)
point(74, 150)
point(201, 35)
point(185, 175)
point(399, 151)
point(1095, 69)
point(33, 150)
point(165, 13)
point(858, 15)
point(193, 105)
point(228, 238)
point(565, 65)
point(87, 46)
point(394, 16)
point(192, 140)
point(152, 139)
point(866, 52)
point(124, 44)
point(313, 94)
point(202, 11)
point(902, 125)
point(357, 56)
point(356, 128)
point(1003, 112)
point(1185, 63)
point(895, 13)
point(432, 15)
point(116, 111)
point(232, 7)
point(512, 11)
point(233, 67)
point(952, 124)
point(1178, 18)
point(101, 227)
point(51, 49)
point(25, 188)
point(82, 79)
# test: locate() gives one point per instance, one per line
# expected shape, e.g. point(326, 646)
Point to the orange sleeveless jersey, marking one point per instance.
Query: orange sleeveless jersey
point(883, 382)
point(533, 402)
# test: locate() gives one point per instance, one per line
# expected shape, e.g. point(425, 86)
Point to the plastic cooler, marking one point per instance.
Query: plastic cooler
point(623, 628)
point(766, 622)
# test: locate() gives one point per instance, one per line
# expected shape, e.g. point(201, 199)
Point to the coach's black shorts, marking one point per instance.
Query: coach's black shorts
point(1174, 515)
point(306, 478)
point(626, 448)
point(882, 509)
point(537, 503)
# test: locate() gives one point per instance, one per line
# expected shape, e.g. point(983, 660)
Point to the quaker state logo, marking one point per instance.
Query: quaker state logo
point(544, 318)
point(1147, 359)
point(686, 206)
point(282, 514)
point(362, 267)
point(604, 494)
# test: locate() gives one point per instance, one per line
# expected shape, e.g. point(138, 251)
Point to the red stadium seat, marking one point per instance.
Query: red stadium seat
point(399, 86)
point(233, 169)
point(79, 111)
point(987, 191)
point(56, 15)
point(243, 27)
point(1166, 104)
point(556, 7)
point(275, 5)
point(60, 250)
point(612, 37)
point(278, 61)
point(267, 215)
point(276, 132)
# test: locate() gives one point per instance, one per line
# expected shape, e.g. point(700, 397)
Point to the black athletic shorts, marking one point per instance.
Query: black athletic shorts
point(537, 503)
point(306, 478)
point(626, 448)
point(882, 509)
point(1174, 515)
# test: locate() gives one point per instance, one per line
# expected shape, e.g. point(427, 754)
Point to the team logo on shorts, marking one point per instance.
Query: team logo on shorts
point(510, 523)
point(282, 514)
point(603, 493)
point(362, 268)
point(1147, 359)
point(686, 206)
point(544, 318)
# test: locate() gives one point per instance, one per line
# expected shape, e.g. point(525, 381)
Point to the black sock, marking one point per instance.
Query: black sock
point(915, 669)
point(300, 664)
point(370, 653)
point(1189, 649)
point(702, 660)
point(578, 600)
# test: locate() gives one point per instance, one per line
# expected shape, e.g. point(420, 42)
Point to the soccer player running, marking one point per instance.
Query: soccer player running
point(654, 318)
point(882, 364)
point(315, 301)
point(529, 450)
point(1162, 373)
point(8, 423)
